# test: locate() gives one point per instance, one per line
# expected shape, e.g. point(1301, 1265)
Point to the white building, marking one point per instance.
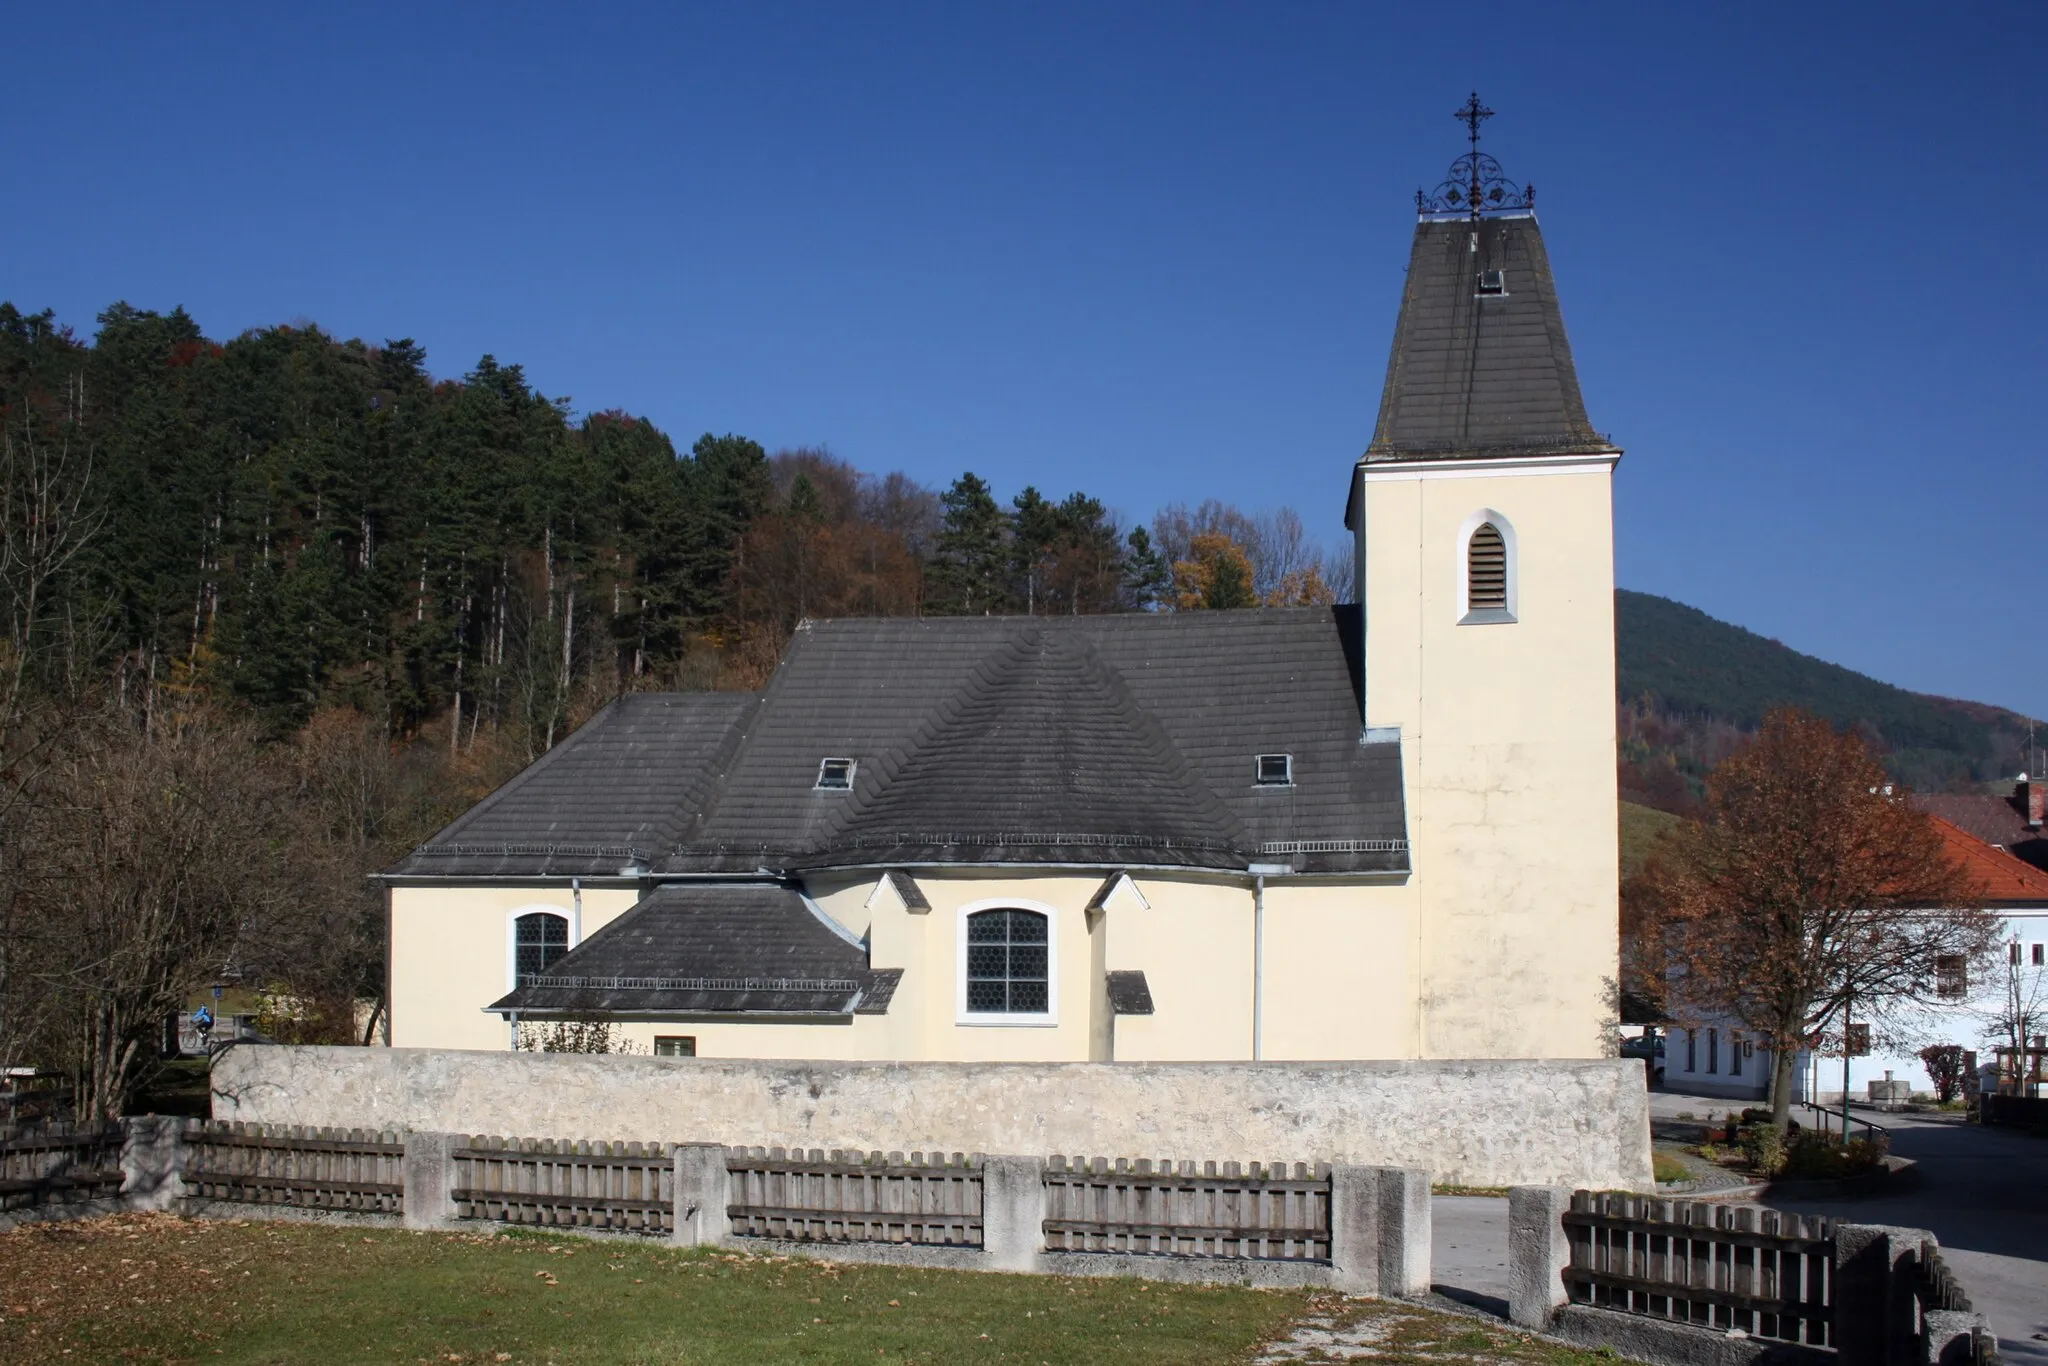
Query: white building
point(1720, 1058)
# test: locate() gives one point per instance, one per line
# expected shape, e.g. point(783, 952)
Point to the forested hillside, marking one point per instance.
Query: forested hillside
point(1692, 687)
point(297, 522)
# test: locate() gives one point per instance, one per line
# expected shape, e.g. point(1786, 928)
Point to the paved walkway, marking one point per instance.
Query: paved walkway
point(1982, 1192)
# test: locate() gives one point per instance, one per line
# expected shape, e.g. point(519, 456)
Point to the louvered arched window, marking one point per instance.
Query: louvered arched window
point(1487, 569)
point(1487, 574)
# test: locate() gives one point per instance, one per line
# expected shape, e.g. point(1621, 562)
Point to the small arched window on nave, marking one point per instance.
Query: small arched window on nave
point(539, 938)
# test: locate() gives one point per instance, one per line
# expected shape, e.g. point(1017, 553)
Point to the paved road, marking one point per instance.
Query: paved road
point(1469, 1248)
point(1983, 1193)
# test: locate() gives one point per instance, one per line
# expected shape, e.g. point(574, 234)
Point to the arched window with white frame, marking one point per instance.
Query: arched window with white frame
point(1007, 964)
point(1488, 587)
point(538, 939)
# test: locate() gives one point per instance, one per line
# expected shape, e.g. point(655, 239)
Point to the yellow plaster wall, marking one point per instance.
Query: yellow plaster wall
point(1194, 945)
point(1341, 967)
point(1507, 734)
point(450, 955)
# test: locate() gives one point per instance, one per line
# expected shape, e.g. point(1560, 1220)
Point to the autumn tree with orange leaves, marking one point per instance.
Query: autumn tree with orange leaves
point(1811, 886)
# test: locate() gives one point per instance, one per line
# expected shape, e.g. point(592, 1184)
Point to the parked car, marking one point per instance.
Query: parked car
point(1650, 1048)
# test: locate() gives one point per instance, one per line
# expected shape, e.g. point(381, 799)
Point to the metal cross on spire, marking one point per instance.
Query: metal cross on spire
point(1475, 185)
point(1472, 115)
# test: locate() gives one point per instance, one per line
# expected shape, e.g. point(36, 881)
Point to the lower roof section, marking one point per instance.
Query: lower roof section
point(710, 949)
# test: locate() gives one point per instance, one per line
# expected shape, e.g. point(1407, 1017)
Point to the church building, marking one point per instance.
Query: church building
point(1382, 831)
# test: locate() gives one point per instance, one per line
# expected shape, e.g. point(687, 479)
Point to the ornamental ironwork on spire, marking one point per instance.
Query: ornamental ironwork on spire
point(1475, 186)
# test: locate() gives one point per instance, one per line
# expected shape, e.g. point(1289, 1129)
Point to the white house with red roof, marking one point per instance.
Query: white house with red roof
point(1718, 1058)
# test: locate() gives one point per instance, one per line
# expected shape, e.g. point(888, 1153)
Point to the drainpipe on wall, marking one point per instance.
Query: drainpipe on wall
point(575, 911)
point(1258, 967)
point(512, 1020)
point(1259, 872)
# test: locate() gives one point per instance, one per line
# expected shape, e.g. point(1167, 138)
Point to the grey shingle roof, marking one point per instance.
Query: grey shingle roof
point(623, 790)
point(711, 948)
point(906, 887)
point(1129, 993)
point(1040, 738)
point(1122, 740)
point(1472, 375)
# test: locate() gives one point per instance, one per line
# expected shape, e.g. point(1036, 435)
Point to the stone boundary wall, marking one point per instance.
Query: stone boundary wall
point(1473, 1123)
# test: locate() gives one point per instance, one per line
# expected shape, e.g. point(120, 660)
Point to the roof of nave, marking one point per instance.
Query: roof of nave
point(1118, 740)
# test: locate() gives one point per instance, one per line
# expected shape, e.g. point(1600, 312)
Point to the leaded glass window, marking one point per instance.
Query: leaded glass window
point(1006, 963)
point(539, 939)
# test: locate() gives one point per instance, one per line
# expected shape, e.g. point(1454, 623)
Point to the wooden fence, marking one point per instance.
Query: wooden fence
point(1719, 1266)
point(1170, 1209)
point(603, 1187)
point(58, 1164)
point(855, 1197)
point(358, 1170)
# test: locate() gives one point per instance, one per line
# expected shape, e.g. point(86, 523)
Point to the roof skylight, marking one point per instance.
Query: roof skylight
point(1274, 770)
point(835, 774)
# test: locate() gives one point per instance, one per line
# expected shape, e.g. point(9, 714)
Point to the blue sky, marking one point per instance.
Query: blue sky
point(1152, 252)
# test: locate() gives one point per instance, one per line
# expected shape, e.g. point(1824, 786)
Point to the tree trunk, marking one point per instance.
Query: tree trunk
point(1782, 1061)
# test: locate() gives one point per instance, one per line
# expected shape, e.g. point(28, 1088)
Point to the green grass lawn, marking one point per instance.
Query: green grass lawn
point(1668, 1168)
point(152, 1288)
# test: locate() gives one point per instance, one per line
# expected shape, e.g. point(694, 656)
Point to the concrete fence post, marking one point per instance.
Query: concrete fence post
point(1874, 1319)
point(1355, 1228)
point(1950, 1338)
point(1405, 1264)
point(1013, 1213)
point(701, 1196)
point(1538, 1253)
point(152, 1162)
point(428, 1173)
point(1379, 1230)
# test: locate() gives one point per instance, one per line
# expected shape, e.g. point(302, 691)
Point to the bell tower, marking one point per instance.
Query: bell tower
point(1482, 521)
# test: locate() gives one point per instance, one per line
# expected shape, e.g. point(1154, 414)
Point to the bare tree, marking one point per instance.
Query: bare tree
point(1813, 888)
point(155, 861)
point(45, 658)
point(1288, 566)
point(2018, 1015)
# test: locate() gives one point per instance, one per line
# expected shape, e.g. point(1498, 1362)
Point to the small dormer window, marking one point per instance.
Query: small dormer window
point(1491, 282)
point(835, 775)
point(1275, 770)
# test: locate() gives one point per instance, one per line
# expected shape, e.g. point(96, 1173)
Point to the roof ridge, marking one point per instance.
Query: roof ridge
point(1038, 678)
point(705, 789)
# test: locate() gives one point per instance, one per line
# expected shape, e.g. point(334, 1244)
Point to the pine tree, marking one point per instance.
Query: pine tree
point(970, 559)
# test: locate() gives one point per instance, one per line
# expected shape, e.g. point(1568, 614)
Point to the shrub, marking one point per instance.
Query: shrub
point(1816, 1156)
point(1667, 1168)
point(1764, 1148)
